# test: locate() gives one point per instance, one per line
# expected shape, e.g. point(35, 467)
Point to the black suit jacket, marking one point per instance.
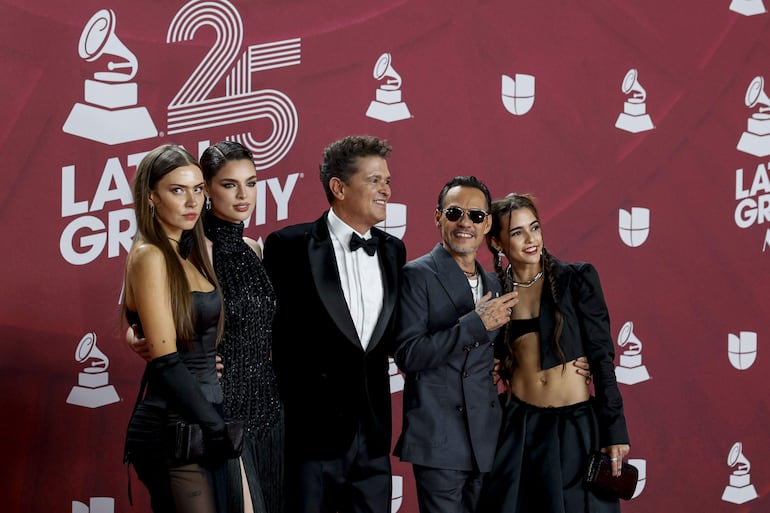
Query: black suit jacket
point(451, 411)
point(328, 383)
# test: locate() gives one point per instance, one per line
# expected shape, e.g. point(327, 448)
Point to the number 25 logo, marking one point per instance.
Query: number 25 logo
point(193, 109)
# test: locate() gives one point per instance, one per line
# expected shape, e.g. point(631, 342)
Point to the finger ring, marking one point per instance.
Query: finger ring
point(613, 459)
point(510, 311)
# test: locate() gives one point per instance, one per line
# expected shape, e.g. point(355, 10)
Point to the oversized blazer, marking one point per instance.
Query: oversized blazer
point(451, 412)
point(330, 386)
point(585, 332)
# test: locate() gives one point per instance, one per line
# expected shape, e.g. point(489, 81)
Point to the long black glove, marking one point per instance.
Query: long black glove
point(184, 393)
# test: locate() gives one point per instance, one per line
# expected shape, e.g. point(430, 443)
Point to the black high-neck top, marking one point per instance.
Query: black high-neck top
point(250, 389)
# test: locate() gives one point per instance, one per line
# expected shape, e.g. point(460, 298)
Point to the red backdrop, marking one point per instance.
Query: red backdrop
point(679, 144)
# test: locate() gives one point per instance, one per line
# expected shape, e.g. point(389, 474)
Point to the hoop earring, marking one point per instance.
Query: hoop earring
point(208, 200)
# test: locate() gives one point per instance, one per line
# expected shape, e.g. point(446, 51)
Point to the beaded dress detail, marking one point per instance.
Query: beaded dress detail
point(248, 381)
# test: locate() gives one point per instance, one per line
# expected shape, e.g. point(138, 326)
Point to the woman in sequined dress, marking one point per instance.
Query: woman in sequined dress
point(248, 380)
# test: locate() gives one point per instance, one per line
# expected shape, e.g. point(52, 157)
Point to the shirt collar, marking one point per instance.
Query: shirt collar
point(341, 230)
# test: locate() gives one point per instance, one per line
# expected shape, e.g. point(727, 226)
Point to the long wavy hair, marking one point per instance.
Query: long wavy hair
point(153, 167)
point(502, 209)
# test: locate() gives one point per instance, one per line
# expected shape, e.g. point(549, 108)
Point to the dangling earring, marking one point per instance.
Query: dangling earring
point(500, 254)
point(208, 201)
point(152, 210)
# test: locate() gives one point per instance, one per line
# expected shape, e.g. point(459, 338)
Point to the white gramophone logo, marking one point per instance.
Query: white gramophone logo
point(93, 389)
point(748, 7)
point(630, 371)
point(756, 139)
point(740, 489)
point(634, 117)
point(395, 220)
point(95, 505)
point(387, 106)
point(641, 467)
point(110, 114)
point(634, 226)
point(518, 94)
point(742, 349)
point(397, 494)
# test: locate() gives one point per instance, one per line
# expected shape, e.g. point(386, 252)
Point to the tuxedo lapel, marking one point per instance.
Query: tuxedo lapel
point(323, 267)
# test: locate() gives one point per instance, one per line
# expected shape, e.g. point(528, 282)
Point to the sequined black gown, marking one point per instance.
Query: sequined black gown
point(248, 381)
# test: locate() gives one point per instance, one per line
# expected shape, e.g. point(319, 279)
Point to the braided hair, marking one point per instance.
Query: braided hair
point(501, 209)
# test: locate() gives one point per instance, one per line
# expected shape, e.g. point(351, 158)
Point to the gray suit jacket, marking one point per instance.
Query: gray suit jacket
point(451, 410)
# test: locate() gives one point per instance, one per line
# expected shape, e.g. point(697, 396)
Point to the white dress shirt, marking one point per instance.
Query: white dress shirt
point(360, 277)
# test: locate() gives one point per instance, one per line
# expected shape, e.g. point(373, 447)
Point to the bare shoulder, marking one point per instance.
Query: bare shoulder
point(254, 246)
point(145, 258)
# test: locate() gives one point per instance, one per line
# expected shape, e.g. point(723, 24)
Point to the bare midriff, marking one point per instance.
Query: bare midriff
point(554, 387)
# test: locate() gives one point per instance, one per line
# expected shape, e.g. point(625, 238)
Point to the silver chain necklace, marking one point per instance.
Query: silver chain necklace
point(525, 284)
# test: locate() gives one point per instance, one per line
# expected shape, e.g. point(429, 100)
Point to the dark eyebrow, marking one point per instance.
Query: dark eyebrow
point(252, 177)
point(201, 184)
point(536, 221)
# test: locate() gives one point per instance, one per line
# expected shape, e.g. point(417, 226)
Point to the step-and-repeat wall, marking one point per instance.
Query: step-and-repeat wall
point(643, 127)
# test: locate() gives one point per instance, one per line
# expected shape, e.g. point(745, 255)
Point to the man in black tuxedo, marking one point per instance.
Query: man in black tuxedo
point(448, 315)
point(336, 285)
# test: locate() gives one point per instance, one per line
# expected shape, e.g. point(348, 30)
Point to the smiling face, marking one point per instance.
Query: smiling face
point(178, 199)
point(462, 238)
point(233, 191)
point(520, 238)
point(361, 202)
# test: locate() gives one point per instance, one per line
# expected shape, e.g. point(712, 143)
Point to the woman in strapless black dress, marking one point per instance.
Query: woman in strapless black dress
point(172, 294)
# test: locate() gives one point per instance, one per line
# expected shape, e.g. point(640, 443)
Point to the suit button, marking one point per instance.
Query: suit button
point(460, 409)
point(466, 374)
point(466, 348)
point(475, 344)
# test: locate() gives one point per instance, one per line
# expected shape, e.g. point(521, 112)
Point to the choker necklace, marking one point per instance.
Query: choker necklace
point(470, 274)
point(185, 243)
point(526, 284)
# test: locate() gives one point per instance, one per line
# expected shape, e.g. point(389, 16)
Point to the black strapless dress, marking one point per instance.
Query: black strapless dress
point(147, 431)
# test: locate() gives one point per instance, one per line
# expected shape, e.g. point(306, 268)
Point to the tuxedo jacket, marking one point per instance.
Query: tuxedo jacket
point(451, 410)
point(330, 386)
point(585, 332)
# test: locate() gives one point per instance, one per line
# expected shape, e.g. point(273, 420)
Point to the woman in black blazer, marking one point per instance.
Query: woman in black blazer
point(551, 422)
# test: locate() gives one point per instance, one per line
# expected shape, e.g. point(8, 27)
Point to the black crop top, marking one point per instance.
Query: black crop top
point(519, 327)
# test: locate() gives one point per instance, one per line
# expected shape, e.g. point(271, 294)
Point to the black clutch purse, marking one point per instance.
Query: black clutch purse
point(190, 446)
point(600, 480)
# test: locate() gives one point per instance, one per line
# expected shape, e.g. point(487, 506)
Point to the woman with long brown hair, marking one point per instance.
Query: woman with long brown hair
point(172, 295)
point(551, 422)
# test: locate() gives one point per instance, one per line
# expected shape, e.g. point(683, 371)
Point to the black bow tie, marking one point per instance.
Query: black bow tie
point(369, 245)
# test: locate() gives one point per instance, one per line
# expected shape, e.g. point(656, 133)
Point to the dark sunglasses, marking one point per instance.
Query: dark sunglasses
point(454, 214)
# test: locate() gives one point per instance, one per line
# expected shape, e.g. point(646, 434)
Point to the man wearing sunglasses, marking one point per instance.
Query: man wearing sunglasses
point(449, 312)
